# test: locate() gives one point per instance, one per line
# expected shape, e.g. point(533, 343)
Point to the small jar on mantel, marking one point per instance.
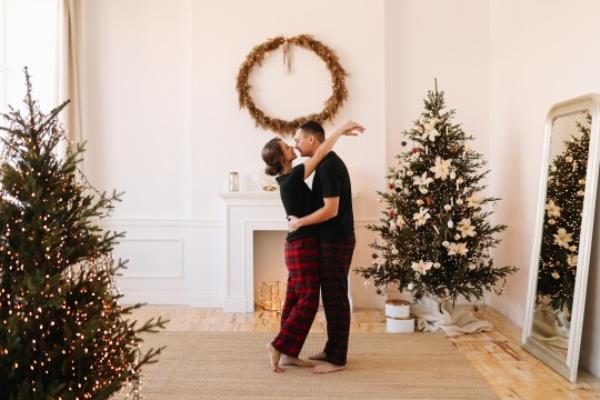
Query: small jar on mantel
point(234, 181)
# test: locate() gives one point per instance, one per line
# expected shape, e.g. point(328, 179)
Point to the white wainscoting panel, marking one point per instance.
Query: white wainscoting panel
point(171, 261)
point(184, 262)
point(152, 258)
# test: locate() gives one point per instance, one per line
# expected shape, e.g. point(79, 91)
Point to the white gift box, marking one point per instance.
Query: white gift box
point(397, 309)
point(398, 317)
point(400, 325)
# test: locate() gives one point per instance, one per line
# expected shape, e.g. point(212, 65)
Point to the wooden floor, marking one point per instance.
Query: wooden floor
point(511, 371)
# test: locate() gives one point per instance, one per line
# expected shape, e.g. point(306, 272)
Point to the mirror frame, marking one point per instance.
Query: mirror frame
point(567, 367)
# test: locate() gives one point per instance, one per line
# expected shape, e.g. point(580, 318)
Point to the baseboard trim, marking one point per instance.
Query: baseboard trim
point(153, 297)
point(178, 298)
point(367, 300)
point(205, 300)
point(234, 304)
point(590, 361)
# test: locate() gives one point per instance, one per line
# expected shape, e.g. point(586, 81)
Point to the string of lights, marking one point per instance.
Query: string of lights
point(63, 333)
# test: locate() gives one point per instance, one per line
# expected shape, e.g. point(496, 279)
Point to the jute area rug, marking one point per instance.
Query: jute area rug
point(234, 365)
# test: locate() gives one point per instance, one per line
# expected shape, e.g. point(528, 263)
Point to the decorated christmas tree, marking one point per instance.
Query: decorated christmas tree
point(435, 236)
point(562, 219)
point(63, 334)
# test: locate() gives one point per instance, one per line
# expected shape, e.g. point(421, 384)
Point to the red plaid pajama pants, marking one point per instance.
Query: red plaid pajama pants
point(335, 258)
point(302, 296)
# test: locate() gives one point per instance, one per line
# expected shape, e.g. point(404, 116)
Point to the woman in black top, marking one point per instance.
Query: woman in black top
point(301, 257)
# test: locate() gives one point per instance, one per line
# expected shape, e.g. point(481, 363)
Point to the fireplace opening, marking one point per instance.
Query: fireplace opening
point(270, 272)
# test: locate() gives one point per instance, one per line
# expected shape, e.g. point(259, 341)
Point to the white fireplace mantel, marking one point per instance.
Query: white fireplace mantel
point(248, 212)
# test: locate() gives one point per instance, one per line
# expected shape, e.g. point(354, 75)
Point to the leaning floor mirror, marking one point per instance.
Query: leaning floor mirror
point(563, 234)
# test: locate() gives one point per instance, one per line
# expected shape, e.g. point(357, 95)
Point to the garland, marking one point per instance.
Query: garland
point(281, 126)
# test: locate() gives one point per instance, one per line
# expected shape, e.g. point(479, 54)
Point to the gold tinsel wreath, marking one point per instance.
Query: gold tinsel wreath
point(257, 55)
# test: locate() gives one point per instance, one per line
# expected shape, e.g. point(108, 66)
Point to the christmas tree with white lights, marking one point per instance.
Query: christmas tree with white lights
point(562, 220)
point(434, 237)
point(63, 334)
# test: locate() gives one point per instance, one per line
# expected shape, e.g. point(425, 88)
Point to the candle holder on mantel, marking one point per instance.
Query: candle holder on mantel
point(270, 296)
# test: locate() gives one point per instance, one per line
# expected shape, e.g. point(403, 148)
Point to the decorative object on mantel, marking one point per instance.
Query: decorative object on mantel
point(265, 182)
point(234, 181)
point(270, 296)
point(257, 55)
point(398, 317)
point(435, 235)
point(270, 187)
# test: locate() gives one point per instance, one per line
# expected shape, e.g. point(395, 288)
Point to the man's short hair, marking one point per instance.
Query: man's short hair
point(313, 128)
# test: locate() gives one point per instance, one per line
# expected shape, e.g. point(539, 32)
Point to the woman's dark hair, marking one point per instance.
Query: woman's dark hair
point(314, 128)
point(272, 155)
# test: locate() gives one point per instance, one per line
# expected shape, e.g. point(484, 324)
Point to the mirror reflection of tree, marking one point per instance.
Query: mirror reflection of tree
point(562, 221)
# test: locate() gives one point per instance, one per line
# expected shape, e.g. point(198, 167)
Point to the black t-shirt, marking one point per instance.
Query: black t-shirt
point(332, 180)
point(298, 200)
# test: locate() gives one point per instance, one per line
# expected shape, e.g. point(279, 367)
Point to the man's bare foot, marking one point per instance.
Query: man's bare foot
point(274, 356)
point(287, 361)
point(325, 368)
point(318, 357)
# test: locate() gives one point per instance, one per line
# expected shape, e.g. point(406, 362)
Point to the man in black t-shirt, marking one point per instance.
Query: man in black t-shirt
point(335, 230)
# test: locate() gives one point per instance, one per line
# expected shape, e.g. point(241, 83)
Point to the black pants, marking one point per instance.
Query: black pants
point(334, 264)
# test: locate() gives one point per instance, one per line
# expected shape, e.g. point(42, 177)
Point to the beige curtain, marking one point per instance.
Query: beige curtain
point(69, 86)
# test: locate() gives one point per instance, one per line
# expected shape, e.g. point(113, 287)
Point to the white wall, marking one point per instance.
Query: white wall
point(590, 344)
point(224, 138)
point(163, 123)
point(540, 55)
point(136, 103)
point(447, 40)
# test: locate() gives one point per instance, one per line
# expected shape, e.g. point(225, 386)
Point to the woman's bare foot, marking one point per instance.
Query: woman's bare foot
point(274, 356)
point(325, 368)
point(287, 361)
point(318, 357)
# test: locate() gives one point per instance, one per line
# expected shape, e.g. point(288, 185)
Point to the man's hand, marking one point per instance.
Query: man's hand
point(293, 223)
point(351, 128)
